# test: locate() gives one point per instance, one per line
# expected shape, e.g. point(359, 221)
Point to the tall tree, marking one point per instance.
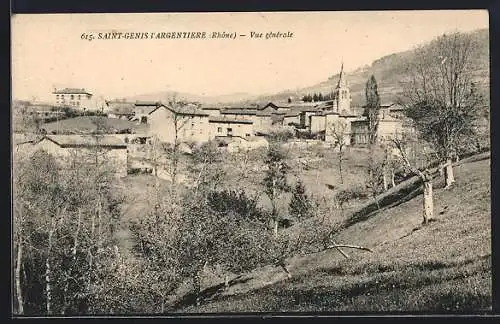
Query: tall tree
point(372, 108)
point(440, 95)
point(275, 182)
point(339, 131)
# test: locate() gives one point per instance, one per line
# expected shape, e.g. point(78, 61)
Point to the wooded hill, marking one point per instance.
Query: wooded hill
point(389, 71)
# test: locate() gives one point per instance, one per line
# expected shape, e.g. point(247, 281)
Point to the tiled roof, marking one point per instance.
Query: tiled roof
point(147, 103)
point(87, 124)
point(146, 109)
point(239, 111)
point(187, 110)
point(85, 141)
point(120, 107)
point(211, 108)
point(71, 91)
point(229, 120)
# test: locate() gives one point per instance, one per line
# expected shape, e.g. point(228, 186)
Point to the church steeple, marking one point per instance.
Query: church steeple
point(342, 79)
point(342, 95)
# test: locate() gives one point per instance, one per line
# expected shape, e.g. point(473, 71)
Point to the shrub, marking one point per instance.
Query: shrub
point(237, 202)
point(301, 206)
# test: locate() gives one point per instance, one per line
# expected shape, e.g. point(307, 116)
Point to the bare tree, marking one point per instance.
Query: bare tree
point(339, 132)
point(425, 176)
point(440, 95)
point(181, 117)
point(275, 182)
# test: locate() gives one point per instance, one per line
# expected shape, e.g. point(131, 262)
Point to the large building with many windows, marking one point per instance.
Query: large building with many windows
point(77, 98)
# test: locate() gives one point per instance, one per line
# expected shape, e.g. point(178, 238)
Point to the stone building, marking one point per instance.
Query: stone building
point(70, 149)
point(77, 98)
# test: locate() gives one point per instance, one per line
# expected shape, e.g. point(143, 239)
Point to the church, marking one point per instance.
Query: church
point(337, 120)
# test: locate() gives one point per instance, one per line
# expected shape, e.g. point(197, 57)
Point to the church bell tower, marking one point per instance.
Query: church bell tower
point(342, 95)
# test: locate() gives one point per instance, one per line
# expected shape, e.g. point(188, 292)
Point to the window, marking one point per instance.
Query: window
point(192, 125)
point(72, 97)
point(78, 103)
point(229, 132)
point(247, 135)
point(57, 96)
point(62, 96)
point(79, 97)
point(219, 129)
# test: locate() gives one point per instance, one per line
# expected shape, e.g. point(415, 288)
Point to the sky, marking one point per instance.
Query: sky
point(48, 50)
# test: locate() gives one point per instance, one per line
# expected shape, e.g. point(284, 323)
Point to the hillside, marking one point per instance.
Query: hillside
point(388, 71)
point(210, 100)
point(443, 267)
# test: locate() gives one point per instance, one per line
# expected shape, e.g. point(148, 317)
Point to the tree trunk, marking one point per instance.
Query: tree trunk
point(386, 183)
point(197, 287)
point(340, 168)
point(275, 228)
point(374, 196)
point(19, 293)
point(393, 183)
point(428, 201)
point(48, 272)
point(448, 174)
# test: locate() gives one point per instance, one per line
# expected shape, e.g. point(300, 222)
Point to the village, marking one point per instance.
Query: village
point(276, 172)
point(129, 129)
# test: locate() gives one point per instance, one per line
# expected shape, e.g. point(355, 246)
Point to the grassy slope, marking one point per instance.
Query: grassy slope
point(443, 267)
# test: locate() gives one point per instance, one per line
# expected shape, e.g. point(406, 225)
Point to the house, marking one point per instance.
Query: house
point(228, 127)
point(284, 107)
point(263, 119)
point(388, 127)
point(119, 109)
point(211, 111)
point(142, 109)
point(69, 149)
point(305, 114)
point(92, 125)
point(184, 124)
point(239, 113)
point(329, 118)
point(77, 98)
point(339, 125)
point(317, 123)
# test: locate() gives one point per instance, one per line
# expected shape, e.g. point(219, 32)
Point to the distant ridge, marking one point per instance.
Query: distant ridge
point(388, 71)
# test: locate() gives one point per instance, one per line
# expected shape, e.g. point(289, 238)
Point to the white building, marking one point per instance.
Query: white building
point(186, 124)
point(109, 150)
point(77, 98)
